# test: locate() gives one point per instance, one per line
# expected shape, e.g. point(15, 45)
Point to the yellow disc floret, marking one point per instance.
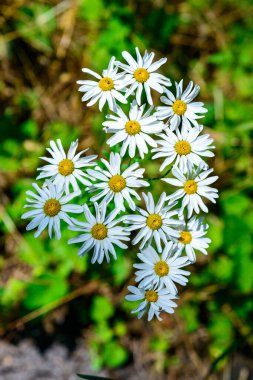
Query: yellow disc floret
point(154, 221)
point(141, 75)
point(117, 183)
point(161, 268)
point(66, 167)
point(190, 186)
point(99, 231)
point(151, 296)
point(52, 207)
point(185, 237)
point(179, 107)
point(182, 147)
point(106, 84)
point(132, 127)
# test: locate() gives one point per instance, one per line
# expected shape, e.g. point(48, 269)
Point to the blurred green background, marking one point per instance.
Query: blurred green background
point(44, 285)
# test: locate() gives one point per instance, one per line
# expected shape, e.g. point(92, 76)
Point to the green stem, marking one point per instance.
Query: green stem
point(130, 162)
point(164, 175)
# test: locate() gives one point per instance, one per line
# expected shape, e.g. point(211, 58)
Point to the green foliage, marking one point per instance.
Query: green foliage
point(221, 330)
point(62, 130)
point(91, 11)
point(238, 238)
point(36, 23)
point(159, 344)
point(114, 354)
point(120, 268)
point(46, 288)
point(189, 314)
point(106, 348)
point(101, 309)
point(12, 292)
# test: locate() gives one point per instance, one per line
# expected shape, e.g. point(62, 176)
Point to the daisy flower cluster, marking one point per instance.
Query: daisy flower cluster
point(121, 213)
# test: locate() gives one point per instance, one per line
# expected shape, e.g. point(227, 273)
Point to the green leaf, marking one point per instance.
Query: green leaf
point(159, 344)
point(222, 268)
point(120, 328)
point(221, 331)
point(30, 128)
point(190, 315)
point(103, 332)
point(12, 292)
point(36, 24)
point(62, 130)
point(235, 204)
point(91, 10)
point(95, 355)
point(46, 289)
point(101, 309)
point(238, 242)
point(114, 355)
point(121, 268)
point(215, 233)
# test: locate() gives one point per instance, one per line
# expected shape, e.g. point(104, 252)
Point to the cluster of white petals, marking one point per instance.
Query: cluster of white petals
point(166, 229)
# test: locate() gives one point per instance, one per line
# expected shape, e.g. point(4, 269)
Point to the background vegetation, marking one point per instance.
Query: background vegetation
point(48, 292)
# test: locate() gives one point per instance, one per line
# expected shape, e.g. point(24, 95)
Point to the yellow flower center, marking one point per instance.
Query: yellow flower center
point(190, 186)
point(99, 231)
point(52, 207)
point(106, 84)
point(154, 221)
point(151, 296)
point(161, 268)
point(141, 75)
point(132, 127)
point(182, 147)
point(66, 167)
point(117, 183)
point(179, 107)
point(185, 237)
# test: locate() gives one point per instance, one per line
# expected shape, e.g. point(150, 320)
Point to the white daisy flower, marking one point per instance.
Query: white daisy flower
point(50, 206)
point(141, 74)
point(194, 185)
point(156, 223)
point(184, 148)
point(106, 89)
point(65, 169)
point(162, 271)
point(100, 233)
point(154, 300)
point(116, 185)
point(181, 108)
point(133, 130)
point(192, 237)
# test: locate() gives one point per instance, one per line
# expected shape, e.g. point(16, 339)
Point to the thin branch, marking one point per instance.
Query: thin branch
point(162, 176)
point(86, 289)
